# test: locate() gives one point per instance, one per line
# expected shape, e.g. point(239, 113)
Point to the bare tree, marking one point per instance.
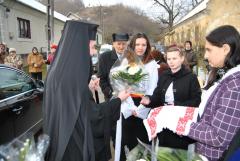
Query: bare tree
point(195, 3)
point(173, 9)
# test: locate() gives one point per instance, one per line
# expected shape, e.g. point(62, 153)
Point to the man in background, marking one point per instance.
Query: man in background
point(107, 60)
point(3, 52)
point(190, 55)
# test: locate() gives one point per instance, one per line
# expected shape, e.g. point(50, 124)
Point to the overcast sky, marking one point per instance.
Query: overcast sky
point(145, 5)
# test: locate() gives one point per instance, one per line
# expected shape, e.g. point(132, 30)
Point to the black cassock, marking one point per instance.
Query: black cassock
point(103, 117)
point(79, 129)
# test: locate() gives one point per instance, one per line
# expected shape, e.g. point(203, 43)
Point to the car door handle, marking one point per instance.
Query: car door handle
point(18, 110)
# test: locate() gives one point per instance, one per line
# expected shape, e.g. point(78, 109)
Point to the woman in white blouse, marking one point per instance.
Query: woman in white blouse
point(133, 111)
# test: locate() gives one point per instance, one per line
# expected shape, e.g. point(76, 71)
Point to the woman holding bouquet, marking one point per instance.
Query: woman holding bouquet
point(132, 126)
point(177, 86)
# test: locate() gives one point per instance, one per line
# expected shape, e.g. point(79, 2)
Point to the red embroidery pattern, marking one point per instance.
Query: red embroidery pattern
point(181, 126)
point(153, 126)
point(152, 122)
point(189, 112)
point(155, 111)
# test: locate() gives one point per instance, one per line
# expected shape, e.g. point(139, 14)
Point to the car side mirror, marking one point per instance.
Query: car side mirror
point(39, 83)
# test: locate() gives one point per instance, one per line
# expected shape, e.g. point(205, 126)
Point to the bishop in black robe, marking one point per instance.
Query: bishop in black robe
point(79, 129)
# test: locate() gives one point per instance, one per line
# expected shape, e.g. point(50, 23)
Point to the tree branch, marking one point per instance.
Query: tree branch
point(162, 5)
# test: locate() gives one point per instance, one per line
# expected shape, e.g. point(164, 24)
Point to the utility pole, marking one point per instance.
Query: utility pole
point(50, 24)
point(52, 21)
point(101, 23)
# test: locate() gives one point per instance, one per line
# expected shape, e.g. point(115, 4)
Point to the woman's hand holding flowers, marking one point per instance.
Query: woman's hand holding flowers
point(124, 94)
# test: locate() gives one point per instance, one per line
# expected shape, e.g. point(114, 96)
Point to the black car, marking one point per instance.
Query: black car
point(21, 100)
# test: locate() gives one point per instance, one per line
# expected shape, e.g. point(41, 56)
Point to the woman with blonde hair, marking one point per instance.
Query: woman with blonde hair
point(177, 86)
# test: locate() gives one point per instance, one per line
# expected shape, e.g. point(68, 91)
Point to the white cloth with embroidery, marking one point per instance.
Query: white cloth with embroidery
point(175, 118)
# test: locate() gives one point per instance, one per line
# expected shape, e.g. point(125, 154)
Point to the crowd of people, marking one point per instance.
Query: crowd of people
point(81, 129)
point(35, 59)
point(9, 57)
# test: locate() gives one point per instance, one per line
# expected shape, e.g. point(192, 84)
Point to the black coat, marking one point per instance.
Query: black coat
point(187, 92)
point(186, 88)
point(103, 117)
point(106, 62)
point(191, 58)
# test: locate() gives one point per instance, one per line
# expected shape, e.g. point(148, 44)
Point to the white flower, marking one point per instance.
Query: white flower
point(133, 70)
point(141, 160)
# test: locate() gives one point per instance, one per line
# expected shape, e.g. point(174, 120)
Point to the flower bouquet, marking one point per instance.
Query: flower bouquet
point(25, 148)
point(128, 72)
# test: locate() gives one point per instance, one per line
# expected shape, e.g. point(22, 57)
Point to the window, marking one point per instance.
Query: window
point(197, 37)
point(13, 83)
point(188, 34)
point(24, 30)
point(182, 37)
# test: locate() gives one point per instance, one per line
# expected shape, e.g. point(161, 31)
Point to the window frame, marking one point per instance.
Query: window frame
point(24, 28)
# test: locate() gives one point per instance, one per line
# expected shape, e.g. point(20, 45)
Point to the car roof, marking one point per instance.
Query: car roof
point(9, 67)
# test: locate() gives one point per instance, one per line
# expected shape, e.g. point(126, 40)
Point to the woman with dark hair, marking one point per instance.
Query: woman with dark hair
point(3, 52)
point(177, 86)
point(220, 108)
point(132, 126)
point(190, 55)
point(35, 61)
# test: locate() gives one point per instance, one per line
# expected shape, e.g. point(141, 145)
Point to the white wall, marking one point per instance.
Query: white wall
point(37, 19)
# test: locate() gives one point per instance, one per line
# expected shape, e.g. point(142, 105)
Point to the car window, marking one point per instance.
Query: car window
point(13, 82)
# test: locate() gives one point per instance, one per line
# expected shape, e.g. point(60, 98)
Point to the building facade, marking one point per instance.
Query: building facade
point(23, 25)
point(208, 15)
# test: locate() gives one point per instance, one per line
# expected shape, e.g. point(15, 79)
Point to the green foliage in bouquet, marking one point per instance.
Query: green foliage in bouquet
point(168, 154)
point(163, 154)
point(130, 78)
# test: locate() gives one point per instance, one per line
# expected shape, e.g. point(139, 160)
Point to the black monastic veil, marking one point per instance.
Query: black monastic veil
point(66, 116)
